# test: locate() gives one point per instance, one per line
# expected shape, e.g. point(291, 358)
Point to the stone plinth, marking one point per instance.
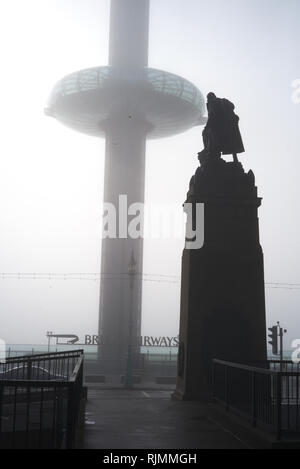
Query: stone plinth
point(222, 293)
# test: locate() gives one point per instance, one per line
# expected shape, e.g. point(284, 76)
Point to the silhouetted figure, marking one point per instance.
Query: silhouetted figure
point(221, 134)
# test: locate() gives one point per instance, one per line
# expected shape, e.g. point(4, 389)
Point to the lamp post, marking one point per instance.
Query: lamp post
point(128, 382)
point(49, 335)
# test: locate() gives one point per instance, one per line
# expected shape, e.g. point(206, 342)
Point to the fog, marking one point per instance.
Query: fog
point(51, 178)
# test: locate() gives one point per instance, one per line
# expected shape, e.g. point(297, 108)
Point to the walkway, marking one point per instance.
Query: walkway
point(120, 419)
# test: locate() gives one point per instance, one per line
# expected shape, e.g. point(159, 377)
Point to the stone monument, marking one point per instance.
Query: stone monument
point(222, 292)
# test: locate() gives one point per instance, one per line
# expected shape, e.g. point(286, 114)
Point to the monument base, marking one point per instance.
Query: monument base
point(222, 292)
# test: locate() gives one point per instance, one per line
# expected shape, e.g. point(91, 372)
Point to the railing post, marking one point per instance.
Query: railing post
point(253, 399)
point(278, 405)
point(80, 379)
point(213, 380)
point(1, 408)
point(70, 418)
point(29, 369)
point(226, 389)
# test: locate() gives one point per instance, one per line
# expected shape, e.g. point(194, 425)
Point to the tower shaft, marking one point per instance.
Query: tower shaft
point(121, 294)
point(129, 33)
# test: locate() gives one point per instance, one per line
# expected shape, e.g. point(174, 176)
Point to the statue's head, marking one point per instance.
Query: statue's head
point(211, 97)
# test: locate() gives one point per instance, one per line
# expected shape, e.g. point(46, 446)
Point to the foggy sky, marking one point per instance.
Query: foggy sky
point(51, 178)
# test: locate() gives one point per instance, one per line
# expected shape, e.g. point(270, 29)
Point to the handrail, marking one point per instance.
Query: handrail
point(33, 384)
point(245, 367)
point(45, 355)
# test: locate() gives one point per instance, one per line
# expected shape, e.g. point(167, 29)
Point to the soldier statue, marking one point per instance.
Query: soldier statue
point(221, 135)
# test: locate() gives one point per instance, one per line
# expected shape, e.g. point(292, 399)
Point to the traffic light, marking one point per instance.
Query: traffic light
point(274, 339)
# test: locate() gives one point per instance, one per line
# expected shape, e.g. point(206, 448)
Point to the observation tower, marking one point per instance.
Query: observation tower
point(126, 103)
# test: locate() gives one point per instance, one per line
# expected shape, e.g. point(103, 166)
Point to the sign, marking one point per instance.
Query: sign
point(149, 341)
point(145, 341)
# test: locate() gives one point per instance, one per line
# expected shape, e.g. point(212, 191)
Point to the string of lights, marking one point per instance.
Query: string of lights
point(97, 276)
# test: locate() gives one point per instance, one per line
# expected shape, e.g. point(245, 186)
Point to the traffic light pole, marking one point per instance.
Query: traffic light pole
point(281, 343)
point(281, 334)
point(275, 332)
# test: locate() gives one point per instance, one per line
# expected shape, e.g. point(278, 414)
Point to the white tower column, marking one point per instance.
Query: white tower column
point(124, 176)
point(120, 305)
point(129, 33)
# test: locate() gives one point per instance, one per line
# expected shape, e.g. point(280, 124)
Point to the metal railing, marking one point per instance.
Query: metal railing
point(160, 364)
point(40, 399)
point(268, 397)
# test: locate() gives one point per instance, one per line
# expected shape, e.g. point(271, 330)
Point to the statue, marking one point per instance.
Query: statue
point(221, 134)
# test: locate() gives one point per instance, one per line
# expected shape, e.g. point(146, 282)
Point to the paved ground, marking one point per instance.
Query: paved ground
point(120, 419)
